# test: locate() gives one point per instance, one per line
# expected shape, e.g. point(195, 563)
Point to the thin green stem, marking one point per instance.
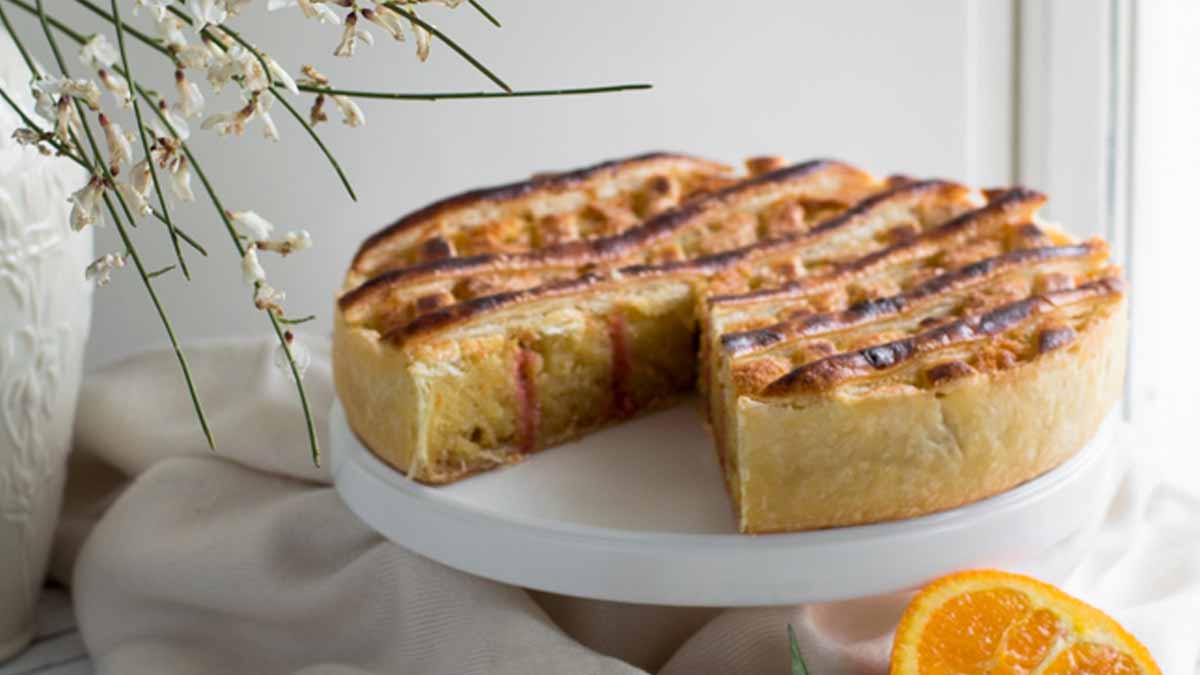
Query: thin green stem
point(33, 69)
point(188, 240)
point(160, 272)
point(486, 14)
point(436, 96)
point(292, 322)
point(449, 43)
point(798, 666)
point(137, 111)
point(292, 110)
point(58, 57)
point(308, 420)
point(320, 144)
point(166, 322)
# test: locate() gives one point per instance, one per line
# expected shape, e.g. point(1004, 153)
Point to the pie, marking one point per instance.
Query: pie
point(866, 349)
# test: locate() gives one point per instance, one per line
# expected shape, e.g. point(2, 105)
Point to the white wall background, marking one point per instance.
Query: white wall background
point(921, 87)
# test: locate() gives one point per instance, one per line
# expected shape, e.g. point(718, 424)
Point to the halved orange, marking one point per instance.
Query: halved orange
point(1007, 624)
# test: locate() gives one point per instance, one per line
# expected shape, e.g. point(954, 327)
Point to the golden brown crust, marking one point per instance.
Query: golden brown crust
point(830, 372)
point(1011, 206)
point(376, 249)
point(873, 309)
point(901, 452)
point(557, 267)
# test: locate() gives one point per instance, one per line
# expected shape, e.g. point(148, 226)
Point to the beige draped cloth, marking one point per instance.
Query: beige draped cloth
point(244, 560)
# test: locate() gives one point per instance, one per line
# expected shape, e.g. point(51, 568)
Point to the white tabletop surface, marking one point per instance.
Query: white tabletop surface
point(58, 648)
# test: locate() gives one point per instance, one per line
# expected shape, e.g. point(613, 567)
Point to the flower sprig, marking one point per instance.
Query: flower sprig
point(147, 171)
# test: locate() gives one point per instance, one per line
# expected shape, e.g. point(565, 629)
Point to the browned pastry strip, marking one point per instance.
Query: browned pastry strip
point(829, 372)
point(1029, 261)
point(524, 212)
point(1013, 206)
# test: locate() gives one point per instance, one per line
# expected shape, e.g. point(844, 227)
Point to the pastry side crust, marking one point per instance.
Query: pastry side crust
point(829, 460)
point(375, 391)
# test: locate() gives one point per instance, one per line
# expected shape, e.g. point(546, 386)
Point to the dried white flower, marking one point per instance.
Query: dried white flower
point(207, 12)
point(316, 114)
point(300, 355)
point(323, 13)
point(388, 19)
point(235, 122)
point(268, 298)
point(30, 137)
point(235, 7)
point(136, 201)
point(158, 8)
point(117, 86)
point(223, 123)
point(281, 76)
point(251, 224)
point(252, 271)
point(194, 56)
point(101, 268)
point(98, 52)
point(221, 70)
point(424, 39)
point(226, 123)
point(170, 29)
point(236, 62)
point(181, 180)
point(119, 151)
point(191, 101)
point(295, 241)
point(352, 115)
point(176, 123)
point(270, 131)
point(298, 240)
point(140, 178)
point(25, 136)
point(254, 78)
point(312, 9)
point(351, 36)
point(80, 88)
point(65, 119)
point(86, 204)
point(46, 106)
point(313, 77)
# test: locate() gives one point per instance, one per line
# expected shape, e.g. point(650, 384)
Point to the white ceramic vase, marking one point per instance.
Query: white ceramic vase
point(45, 310)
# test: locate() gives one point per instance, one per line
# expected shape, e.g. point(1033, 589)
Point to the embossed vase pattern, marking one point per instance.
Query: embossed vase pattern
point(45, 309)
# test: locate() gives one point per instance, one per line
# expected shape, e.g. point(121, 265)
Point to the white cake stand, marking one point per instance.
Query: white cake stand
point(638, 513)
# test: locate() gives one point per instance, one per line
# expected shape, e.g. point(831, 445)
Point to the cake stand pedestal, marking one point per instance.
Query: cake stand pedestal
point(638, 513)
